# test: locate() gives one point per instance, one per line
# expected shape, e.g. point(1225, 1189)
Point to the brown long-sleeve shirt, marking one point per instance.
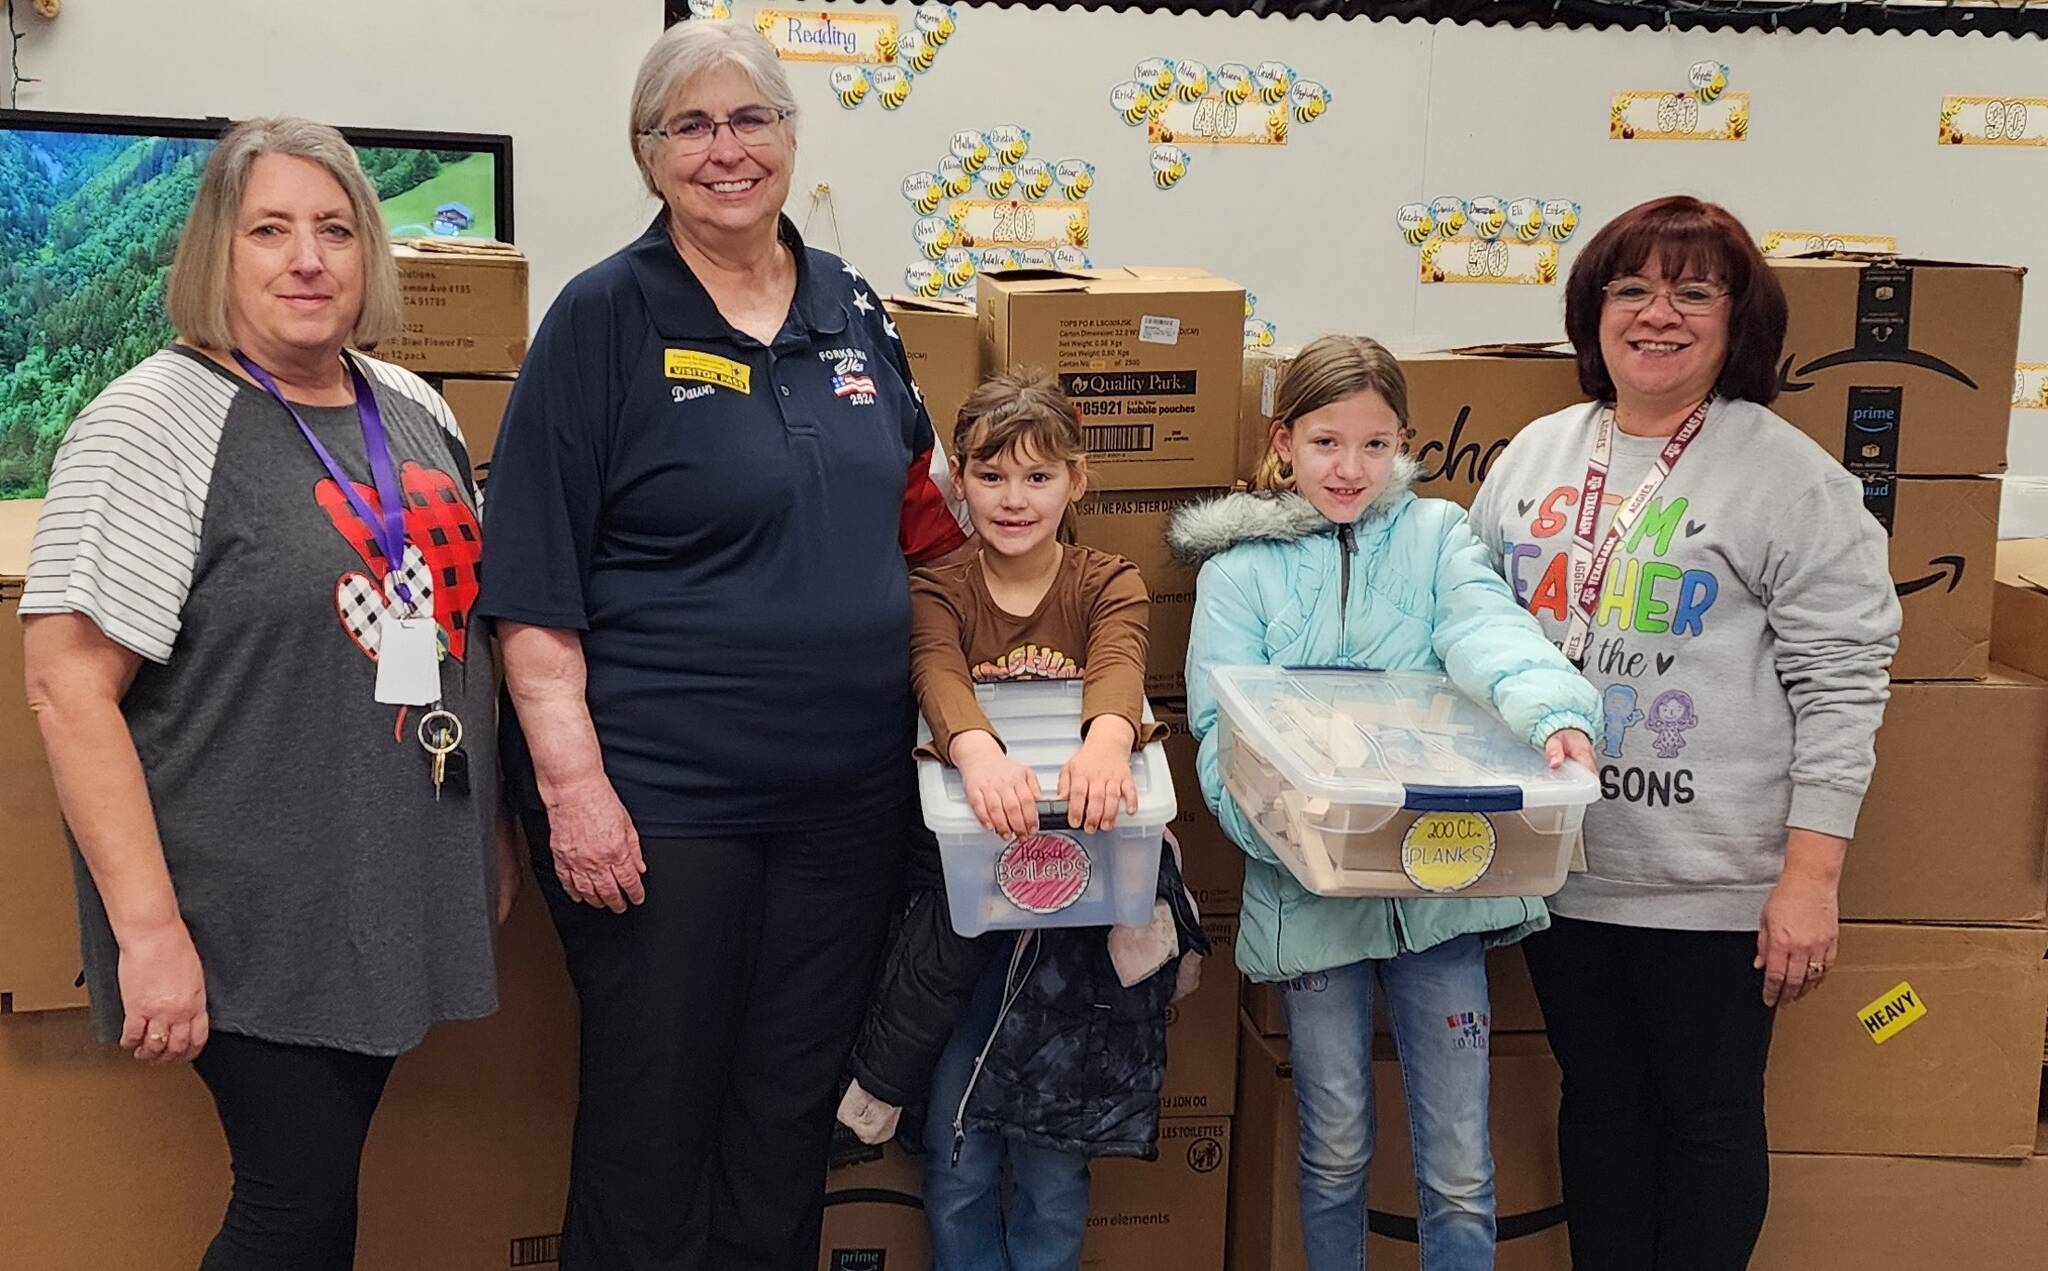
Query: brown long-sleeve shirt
point(1090, 626)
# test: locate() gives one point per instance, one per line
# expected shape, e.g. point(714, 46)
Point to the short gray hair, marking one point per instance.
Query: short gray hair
point(196, 295)
point(687, 50)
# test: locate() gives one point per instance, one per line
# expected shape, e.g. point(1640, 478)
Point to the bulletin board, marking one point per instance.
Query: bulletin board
point(1513, 145)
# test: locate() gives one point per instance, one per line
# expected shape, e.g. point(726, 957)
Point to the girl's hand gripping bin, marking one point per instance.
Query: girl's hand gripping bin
point(1368, 783)
point(1058, 877)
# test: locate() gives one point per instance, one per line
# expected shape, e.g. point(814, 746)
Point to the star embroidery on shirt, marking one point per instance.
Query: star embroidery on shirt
point(862, 303)
point(847, 267)
point(889, 327)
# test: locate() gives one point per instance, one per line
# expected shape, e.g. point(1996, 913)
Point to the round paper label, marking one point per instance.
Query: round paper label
point(1043, 873)
point(1447, 851)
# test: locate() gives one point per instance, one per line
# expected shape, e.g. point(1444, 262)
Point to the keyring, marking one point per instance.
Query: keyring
point(448, 743)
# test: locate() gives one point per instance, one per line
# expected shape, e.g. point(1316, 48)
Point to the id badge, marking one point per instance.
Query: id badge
point(409, 663)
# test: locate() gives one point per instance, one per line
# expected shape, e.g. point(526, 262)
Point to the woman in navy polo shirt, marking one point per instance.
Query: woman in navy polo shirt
point(710, 476)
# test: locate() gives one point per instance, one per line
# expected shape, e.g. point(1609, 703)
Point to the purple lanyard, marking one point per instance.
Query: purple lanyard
point(389, 528)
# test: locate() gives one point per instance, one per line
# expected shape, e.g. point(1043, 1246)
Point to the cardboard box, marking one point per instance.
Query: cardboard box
point(1153, 357)
point(465, 308)
point(1859, 1068)
point(1890, 1211)
point(874, 1216)
point(1464, 406)
point(1955, 829)
point(2019, 605)
point(1133, 525)
point(1515, 1009)
point(1210, 863)
point(1167, 1213)
point(1169, 1210)
point(39, 961)
point(479, 406)
point(466, 1167)
point(1201, 1033)
point(1265, 1198)
point(1261, 381)
point(1901, 366)
point(1944, 535)
point(943, 343)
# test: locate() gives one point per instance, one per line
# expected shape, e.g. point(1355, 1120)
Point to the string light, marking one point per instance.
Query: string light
point(16, 79)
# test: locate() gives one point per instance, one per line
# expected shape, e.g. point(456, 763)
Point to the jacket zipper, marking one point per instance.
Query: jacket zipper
point(1347, 545)
point(1013, 986)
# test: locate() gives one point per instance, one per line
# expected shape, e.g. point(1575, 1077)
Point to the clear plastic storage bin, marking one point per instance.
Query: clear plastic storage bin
point(1057, 877)
point(1368, 783)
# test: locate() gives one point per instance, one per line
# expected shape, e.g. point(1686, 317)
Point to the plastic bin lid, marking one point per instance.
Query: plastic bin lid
point(1039, 722)
point(1392, 739)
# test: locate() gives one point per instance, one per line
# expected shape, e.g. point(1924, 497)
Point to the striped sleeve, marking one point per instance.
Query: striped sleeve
point(119, 535)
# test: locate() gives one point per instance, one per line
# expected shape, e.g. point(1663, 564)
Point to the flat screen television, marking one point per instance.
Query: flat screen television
point(90, 211)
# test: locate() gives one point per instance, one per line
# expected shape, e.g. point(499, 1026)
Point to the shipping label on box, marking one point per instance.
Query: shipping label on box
point(39, 960)
point(464, 312)
point(1944, 536)
point(1210, 863)
point(1153, 359)
point(1953, 827)
point(1925, 1041)
point(1201, 1032)
point(1133, 524)
point(1169, 1212)
point(942, 342)
point(1901, 367)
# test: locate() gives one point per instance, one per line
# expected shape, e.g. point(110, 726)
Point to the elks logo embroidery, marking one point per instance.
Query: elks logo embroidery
point(850, 379)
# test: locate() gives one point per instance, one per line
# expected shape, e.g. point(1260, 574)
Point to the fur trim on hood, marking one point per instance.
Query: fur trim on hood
point(1202, 530)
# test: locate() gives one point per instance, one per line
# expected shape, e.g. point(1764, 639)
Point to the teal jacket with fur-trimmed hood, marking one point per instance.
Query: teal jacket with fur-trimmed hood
point(1407, 587)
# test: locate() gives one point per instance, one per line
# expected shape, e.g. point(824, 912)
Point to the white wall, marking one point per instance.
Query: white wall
point(555, 74)
point(1842, 134)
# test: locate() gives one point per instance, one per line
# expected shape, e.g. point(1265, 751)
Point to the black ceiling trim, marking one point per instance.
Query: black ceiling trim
point(1683, 15)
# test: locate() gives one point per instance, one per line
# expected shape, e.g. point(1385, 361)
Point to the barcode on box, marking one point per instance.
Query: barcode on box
point(1118, 439)
point(535, 1251)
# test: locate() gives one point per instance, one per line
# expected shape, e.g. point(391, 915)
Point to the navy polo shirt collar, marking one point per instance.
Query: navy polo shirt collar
point(682, 310)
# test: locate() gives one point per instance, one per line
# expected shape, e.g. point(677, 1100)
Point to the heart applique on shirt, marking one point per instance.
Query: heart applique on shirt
point(443, 550)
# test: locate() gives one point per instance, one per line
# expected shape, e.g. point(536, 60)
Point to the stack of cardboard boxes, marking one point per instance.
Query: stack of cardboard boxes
point(1915, 1072)
point(467, 1165)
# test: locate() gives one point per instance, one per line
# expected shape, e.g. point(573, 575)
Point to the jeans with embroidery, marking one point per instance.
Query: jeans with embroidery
point(1438, 1008)
point(971, 1230)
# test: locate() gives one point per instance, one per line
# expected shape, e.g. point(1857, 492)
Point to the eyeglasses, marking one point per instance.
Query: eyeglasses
point(696, 131)
point(1632, 295)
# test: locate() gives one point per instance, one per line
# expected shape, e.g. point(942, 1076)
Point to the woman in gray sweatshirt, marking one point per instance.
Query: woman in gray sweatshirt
point(1718, 578)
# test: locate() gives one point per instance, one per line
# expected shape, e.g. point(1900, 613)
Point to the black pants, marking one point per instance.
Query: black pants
point(1662, 1036)
point(716, 1021)
point(296, 1118)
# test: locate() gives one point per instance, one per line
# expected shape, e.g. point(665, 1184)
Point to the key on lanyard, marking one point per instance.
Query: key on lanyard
point(440, 732)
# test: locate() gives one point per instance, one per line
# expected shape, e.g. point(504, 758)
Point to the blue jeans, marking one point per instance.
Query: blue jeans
point(1438, 1006)
point(963, 1201)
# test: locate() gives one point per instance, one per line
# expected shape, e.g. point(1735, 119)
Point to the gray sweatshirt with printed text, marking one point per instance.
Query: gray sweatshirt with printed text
point(1742, 646)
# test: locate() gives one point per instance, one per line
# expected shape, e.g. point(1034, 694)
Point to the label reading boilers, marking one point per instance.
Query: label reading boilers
point(1157, 330)
point(1043, 873)
point(1892, 1014)
point(1447, 852)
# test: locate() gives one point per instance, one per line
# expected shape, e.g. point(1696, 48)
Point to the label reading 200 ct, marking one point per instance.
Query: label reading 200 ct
point(1447, 851)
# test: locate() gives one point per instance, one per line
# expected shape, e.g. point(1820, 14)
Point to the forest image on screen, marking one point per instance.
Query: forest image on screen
point(88, 224)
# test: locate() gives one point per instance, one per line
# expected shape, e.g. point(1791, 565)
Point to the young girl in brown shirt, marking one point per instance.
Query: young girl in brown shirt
point(1034, 1049)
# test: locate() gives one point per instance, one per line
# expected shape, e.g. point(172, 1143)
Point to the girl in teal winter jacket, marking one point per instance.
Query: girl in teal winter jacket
point(1334, 562)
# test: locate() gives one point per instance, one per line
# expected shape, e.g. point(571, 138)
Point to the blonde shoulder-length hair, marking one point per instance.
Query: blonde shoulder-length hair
point(197, 294)
point(1329, 369)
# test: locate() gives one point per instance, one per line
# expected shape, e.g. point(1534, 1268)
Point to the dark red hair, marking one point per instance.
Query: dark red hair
point(1691, 238)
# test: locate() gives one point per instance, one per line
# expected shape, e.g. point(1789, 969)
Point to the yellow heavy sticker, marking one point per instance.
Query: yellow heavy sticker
point(1891, 1014)
point(1447, 851)
point(707, 368)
